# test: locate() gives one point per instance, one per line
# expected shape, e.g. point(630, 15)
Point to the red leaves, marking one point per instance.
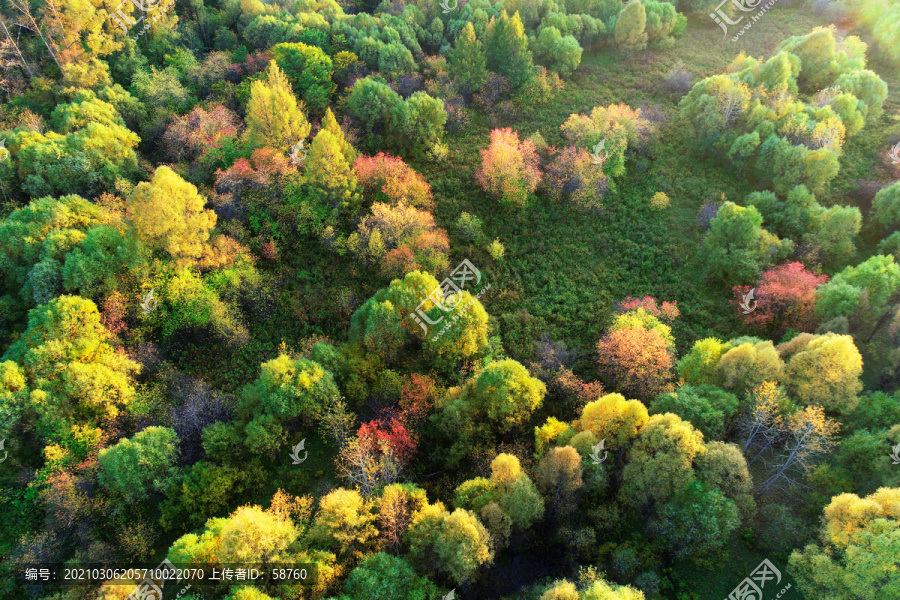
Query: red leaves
point(785, 298)
point(394, 178)
point(388, 434)
point(667, 311)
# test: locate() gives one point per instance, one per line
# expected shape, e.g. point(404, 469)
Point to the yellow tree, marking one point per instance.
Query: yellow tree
point(274, 117)
point(329, 177)
point(168, 214)
point(826, 372)
point(614, 419)
point(860, 545)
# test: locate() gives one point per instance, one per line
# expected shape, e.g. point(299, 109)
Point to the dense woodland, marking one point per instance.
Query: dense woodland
point(229, 236)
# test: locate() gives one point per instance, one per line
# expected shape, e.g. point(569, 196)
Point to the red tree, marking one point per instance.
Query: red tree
point(416, 398)
point(667, 311)
point(388, 435)
point(785, 298)
point(392, 177)
point(199, 131)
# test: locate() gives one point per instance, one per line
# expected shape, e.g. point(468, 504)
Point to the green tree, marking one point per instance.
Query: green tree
point(630, 33)
point(208, 490)
point(467, 333)
point(714, 105)
point(417, 124)
point(329, 179)
point(94, 149)
point(661, 461)
point(833, 231)
point(506, 394)
point(289, 388)
point(468, 61)
point(372, 104)
point(698, 366)
point(381, 576)
point(168, 214)
point(696, 521)
point(453, 544)
point(45, 232)
point(886, 206)
point(507, 49)
point(274, 118)
point(707, 407)
point(817, 52)
point(134, 467)
point(309, 70)
point(560, 54)
point(867, 287)
point(509, 492)
point(887, 33)
point(737, 247)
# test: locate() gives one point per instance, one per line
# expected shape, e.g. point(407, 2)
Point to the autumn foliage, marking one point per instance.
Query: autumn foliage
point(199, 131)
point(574, 179)
point(667, 311)
point(785, 298)
point(388, 435)
point(388, 176)
point(635, 361)
point(510, 168)
point(401, 239)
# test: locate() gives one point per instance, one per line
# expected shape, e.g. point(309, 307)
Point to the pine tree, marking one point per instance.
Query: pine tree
point(507, 49)
point(468, 62)
point(329, 178)
point(329, 122)
point(274, 118)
